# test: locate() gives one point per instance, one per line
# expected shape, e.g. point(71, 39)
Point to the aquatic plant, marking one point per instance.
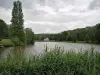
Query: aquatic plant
point(53, 62)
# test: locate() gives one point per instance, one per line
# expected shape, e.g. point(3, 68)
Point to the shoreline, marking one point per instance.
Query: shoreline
point(70, 42)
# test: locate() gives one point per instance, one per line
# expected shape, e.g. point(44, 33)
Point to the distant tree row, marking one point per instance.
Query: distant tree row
point(88, 34)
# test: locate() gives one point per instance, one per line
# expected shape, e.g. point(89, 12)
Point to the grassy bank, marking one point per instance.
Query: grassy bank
point(6, 42)
point(54, 62)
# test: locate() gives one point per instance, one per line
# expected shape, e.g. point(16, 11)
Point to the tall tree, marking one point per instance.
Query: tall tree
point(17, 28)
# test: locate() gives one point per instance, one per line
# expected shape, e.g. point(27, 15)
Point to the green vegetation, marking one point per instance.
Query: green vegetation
point(6, 42)
point(98, 32)
point(3, 29)
point(54, 62)
point(88, 34)
point(16, 28)
point(29, 36)
point(15, 31)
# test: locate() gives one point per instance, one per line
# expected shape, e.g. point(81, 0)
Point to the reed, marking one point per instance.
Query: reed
point(53, 62)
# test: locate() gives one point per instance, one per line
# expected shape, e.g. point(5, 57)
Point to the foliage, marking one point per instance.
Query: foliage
point(98, 32)
point(54, 62)
point(29, 36)
point(3, 29)
point(16, 28)
point(6, 42)
point(17, 41)
point(43, 36)
point(88, 34)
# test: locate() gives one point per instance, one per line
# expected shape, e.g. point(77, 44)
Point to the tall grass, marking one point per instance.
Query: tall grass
point(53, 62)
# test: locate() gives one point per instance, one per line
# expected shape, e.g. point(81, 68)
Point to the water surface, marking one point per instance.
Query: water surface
point(39, 48)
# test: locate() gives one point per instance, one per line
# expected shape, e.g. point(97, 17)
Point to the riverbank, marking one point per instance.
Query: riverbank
point(70, 42)
point(6, 43)
point(9, 43)
point(54, 62)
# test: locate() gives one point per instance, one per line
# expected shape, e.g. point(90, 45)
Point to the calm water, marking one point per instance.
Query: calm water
point(39, 47)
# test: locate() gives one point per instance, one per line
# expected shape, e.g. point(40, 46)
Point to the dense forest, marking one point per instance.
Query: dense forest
point(88, 34)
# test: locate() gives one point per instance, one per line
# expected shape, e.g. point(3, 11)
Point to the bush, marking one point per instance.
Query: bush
point(29, 36)
point(16, 41)
point(6, 42)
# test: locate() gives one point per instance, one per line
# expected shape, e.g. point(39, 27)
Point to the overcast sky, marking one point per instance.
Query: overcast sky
point(52, 16)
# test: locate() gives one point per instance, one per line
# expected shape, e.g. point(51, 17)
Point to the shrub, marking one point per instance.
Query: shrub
point(16, 41)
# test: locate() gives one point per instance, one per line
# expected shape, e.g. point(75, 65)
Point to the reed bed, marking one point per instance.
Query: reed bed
point(53, 62)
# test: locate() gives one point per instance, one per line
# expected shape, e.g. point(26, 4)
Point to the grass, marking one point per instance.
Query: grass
point(53, 62)
point(6, 42)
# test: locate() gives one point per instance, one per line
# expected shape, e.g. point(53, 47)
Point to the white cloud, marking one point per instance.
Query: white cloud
point(5, 14)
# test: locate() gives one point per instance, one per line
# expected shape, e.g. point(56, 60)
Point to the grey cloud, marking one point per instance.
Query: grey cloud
point(95, 4)
point(46, 27)
point(52, 16)
point(6, 3)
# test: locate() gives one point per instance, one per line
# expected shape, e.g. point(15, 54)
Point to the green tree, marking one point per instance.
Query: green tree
point(90, 34)
point(64, 36)
point(3, 29)
point(86, 38)
point(29, 36)
point(17, 28)
point(73, 37)
point(98, 32)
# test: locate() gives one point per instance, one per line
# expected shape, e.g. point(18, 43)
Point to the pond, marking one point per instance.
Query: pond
point(40, 46)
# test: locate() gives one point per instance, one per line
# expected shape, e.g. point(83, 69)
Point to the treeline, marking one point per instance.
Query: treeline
point(88, 34)
point(15, 32)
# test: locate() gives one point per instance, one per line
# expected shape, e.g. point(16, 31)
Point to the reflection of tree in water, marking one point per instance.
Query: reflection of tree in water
point(1, 51)
point(12, 51)
point(19, 49)
point(18, 52)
